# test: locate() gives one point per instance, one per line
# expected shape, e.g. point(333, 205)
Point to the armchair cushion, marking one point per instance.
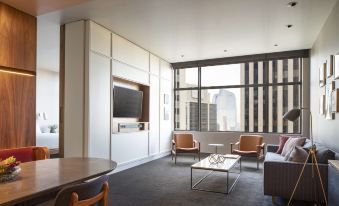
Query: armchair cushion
point(250, 142)
point(183, 140)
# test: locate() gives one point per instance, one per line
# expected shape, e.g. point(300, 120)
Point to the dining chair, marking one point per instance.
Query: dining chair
point(25, 154)
point(85, 194)
point(249, 146)
point(184, 143)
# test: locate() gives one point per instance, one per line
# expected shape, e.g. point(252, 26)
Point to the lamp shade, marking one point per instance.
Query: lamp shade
point(292, 115)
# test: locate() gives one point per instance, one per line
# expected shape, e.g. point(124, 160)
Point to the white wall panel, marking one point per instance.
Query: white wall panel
point(100, 39)
point(126, 72)
point(165, 125)
point(165, 70)
point(127, 147)
point(154, 65)
point(154, 135)
point(99, 102)
point(129, 53)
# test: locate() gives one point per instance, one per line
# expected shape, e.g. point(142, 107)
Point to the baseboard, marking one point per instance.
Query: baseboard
point(137, 162)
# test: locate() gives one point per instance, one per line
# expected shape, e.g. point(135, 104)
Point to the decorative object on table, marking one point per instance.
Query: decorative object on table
point(293, 115)
point(328, 107)
point(9, 169)
point(336, 66)
point(322, 75)
point(335, 100)
point(216, 147)
point(322, 104)
point(329, 70)
point(166, 99)
point(53, 128)
point(216, 158)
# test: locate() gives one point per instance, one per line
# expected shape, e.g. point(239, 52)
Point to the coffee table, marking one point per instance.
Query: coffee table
point(230, 161)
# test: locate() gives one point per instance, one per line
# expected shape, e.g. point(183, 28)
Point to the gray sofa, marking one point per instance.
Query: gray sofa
point(280, 176)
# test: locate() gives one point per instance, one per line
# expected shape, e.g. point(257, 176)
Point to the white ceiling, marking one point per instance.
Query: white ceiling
point(203, 29)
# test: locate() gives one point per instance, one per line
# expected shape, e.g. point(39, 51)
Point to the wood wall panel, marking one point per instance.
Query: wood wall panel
point(18, 37)
point(17, 110)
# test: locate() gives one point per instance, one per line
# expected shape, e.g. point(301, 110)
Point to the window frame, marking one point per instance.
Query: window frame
point(265, 62)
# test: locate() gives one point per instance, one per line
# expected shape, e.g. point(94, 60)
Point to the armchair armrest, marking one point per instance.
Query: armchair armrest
point(196, 143)
point(261, 148)
point(236, 144)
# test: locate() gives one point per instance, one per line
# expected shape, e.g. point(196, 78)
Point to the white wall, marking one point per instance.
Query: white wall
point(327, 43)
point(47, 94)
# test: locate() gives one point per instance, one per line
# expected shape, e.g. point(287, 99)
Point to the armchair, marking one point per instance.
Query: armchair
point(184, 143)
point(249, 146)
point(26, 154)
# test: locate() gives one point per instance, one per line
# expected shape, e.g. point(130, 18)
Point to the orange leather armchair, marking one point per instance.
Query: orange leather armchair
point(250, 146)
point(26, 154)
point(184, 143)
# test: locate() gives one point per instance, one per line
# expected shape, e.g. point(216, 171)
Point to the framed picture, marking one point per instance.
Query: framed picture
point(166, 98)
point(335, 101)
point(322, 75)
point(322, 105)
point(336, 66)
point(166, 113)
point(329, 70)
point(328, 103)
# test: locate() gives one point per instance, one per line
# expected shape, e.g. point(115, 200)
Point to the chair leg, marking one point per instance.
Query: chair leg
point(257, 164)
point(172, 155)
point(199, 155)
point(175, 159)
point(194, 156)
point(240, 163)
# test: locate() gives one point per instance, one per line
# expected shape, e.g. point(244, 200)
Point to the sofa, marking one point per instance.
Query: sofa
point(280, 175)
point(25, 154)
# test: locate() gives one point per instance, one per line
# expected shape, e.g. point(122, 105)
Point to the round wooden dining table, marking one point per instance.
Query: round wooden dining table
point(44, 177)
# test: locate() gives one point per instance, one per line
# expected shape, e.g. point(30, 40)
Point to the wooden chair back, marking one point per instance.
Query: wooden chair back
point(102, 196)
point(250, 142)
point(184, 140)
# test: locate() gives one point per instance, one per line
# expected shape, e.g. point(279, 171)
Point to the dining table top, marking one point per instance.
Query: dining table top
point(41, 177)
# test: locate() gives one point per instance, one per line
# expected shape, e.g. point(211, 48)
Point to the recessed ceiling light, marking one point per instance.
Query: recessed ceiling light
point(225, 50)
point(289, 25)
point(275, 44)
point(292, 4)
point(182, 56)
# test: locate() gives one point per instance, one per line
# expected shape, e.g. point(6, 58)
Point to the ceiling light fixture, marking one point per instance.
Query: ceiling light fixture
point(289, 25)
point(275, 44)
point(225, 50)
point(182, 56)
point(292, 4)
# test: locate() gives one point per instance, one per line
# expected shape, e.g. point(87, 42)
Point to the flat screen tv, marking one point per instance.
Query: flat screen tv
point(127, 102)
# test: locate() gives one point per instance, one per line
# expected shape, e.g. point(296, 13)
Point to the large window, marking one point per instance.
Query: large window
point(248, 97)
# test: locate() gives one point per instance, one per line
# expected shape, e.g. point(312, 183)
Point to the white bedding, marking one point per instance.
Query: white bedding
point(50, 140)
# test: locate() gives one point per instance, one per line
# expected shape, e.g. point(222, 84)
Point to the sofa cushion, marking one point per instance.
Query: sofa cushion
point(271, 156)
point(298, 154)
point(291, 143)
point(282, 140)
point(25, 154)
point(323, 154)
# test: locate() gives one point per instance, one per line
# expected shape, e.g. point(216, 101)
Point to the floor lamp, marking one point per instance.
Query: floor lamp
point(292, 115)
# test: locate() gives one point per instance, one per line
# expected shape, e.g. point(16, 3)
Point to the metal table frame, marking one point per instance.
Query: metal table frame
point(228, 187)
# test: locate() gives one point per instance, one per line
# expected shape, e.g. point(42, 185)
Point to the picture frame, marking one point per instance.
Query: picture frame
point(329, 115)
point(335, 101)
point(336, 66)
point(322, 105)
point(166, 99)
point(329, 71)
point(322, 75)
point(166, 113)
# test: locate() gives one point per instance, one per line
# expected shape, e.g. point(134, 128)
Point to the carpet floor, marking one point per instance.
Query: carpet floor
point(161, 182)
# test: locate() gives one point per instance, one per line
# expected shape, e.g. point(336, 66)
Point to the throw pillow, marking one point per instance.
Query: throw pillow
point(298, 154)
point(282, 141)
point(288, 154)
point(291, 143)
point(323, 155)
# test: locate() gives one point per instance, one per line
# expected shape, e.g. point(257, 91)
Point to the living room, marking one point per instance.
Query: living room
point(169, 102)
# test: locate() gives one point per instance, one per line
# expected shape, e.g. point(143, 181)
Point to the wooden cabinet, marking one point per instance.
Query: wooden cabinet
point(17, 39)
point(17, 110)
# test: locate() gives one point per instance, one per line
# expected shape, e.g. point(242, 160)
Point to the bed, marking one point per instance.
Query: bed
point(50, 140)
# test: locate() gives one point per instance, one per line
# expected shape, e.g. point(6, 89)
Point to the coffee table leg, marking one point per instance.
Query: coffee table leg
point(227, 182)
point(191, 179)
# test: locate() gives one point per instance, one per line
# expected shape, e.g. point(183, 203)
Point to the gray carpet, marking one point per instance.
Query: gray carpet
point(161, 182)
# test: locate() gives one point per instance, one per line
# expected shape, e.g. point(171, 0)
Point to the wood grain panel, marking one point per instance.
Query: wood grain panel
point(17, 110)
point(17, 39)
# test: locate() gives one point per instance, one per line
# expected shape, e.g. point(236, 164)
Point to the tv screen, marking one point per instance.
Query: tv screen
point(127, 102)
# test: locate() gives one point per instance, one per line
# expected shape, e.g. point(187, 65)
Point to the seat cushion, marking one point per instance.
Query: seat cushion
point(270, 156)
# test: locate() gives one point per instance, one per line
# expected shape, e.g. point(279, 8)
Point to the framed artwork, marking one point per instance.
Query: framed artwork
point(335, 101)
point(322, 105)
point(329, 70)
point(322, 75)
point(166, 98)
point(166, 113)
point(328, 103)
point(336, 66)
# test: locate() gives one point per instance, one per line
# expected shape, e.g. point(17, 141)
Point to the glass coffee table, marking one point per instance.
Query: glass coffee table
point(217, 163)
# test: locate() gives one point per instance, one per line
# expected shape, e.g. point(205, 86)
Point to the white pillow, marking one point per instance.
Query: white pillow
point(37, 127)
point(45, 129)
point(291, 143)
